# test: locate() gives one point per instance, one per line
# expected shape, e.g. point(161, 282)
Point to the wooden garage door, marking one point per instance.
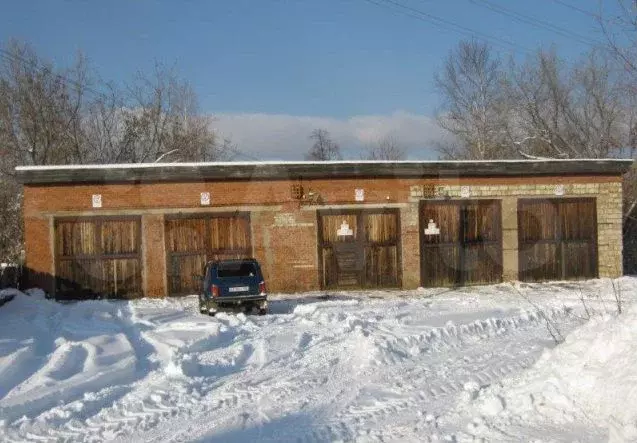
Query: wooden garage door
point(460, 242)
point(359, 248)
point(98, 256)
point(192, 240)
point(557, 239)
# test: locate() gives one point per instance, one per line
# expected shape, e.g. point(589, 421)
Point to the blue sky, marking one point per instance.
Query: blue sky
point(332, 59)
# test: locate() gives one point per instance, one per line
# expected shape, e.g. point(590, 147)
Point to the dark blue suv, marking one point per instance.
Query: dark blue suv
point(236, 284)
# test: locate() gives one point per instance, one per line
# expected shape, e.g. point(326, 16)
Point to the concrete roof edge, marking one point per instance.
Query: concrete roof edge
point(147, 172)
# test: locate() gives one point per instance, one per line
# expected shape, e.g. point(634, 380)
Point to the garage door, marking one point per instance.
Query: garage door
point(557, 239)
point(460, 242)
point(359, 249)
point(192, 240)
point(98, 256)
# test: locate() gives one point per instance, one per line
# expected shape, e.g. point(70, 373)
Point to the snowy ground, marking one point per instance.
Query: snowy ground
point(421, 365)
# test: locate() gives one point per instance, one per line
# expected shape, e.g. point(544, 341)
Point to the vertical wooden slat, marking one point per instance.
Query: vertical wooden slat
point(558, 239)
point(191, 241)
point(367, 258)
point(98, 256)
point(468, 248)
point(440, 253)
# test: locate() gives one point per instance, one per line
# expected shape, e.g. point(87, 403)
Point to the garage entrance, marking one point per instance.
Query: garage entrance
point(460, 242)
point(359, 248)
point(193, 239)
point(98, 256)
point(557, 239)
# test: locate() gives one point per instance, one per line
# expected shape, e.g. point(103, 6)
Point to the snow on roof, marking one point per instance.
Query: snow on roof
point(307, 163)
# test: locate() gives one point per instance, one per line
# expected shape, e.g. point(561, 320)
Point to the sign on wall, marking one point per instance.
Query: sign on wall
point(359, 195)
point(344, 229)
point(97, 200)
point(205, 198)
point(559, 190)
point(465, 191)
point(432, 229)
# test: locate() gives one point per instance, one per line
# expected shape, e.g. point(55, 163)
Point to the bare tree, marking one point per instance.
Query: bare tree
point(41, 109)
point(50, 115)
point(41, 119)
point(386, 148)
point(323, 148)
point(567, 111)
point(162, 116)
point(474, 107)
point(10, 220)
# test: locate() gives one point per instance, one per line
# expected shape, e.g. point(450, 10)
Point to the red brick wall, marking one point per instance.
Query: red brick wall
point(187, 195)
point(38, 248)
point(283, 234)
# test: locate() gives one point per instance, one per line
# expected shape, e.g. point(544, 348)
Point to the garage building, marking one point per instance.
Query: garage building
point(147, 229)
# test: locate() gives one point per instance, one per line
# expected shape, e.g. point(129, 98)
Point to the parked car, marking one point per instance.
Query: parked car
point(236, 284)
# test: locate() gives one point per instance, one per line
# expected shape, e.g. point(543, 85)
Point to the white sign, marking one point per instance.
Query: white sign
point(559, 190)
point(97, 200)
point(432, 229)
point(344, 229)
point(359, 195)
point(205, 198)
point(465, 191)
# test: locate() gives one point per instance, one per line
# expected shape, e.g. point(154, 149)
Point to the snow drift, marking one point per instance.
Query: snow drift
point(590, 380)
point(363, 366)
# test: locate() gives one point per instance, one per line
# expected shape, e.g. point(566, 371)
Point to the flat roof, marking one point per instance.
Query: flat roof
point(273, 170)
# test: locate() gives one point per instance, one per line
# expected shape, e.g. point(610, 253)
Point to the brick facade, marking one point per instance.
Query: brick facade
point(283, 229)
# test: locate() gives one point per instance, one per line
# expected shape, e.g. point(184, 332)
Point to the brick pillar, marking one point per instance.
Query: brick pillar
point(609, 230)
point(410, 245)
point(509, 238)
point(154, 256)
point(38, 247)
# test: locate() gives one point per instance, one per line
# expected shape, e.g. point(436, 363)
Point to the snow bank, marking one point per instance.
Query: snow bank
point(590, 379)
point(364, 366)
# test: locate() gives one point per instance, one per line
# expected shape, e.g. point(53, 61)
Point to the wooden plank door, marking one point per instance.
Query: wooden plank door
point(481, 259)
point(464, 244)
point(186, 246)
point(440, 251)
point(193, 240)
point(382, 249)
point(359, 248)
point(342, 250)
point(557, 239)
point(98, 256)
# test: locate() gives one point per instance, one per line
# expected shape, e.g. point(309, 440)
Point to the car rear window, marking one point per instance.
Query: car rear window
point(236, 269)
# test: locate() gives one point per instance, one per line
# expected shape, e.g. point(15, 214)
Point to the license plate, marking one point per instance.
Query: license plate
point(239, 289)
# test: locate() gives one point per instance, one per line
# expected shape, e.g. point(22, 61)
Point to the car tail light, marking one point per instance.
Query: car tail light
point(214, 289)
point(262, 288)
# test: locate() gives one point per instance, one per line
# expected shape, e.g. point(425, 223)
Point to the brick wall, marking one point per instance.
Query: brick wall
point(284, 230)
point(608, 195)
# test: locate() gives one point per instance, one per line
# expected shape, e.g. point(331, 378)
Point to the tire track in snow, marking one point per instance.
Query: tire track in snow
point(475, 330)
point(226, 400)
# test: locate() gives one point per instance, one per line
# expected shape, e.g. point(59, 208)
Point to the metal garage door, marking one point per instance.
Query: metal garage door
point(557, 239)
point(192, 240)
point(359, 248)
point(460, 242)
point(98, 256)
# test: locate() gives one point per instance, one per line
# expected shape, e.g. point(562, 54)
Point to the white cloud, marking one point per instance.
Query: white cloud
point(285, 137)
